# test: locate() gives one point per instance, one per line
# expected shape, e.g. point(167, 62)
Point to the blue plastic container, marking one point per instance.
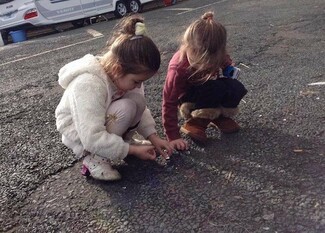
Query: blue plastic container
point(18, 36)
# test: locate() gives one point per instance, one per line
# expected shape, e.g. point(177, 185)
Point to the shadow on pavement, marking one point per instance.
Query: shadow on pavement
point(253, 181)
point(257, 179)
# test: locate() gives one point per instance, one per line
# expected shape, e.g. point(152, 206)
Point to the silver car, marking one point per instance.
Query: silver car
point(23, 14)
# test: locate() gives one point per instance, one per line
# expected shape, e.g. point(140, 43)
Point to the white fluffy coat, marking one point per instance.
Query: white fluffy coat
point(81, 113)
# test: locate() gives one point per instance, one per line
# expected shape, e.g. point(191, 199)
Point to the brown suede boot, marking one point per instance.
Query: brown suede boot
point(195, 128)
point(226, 125)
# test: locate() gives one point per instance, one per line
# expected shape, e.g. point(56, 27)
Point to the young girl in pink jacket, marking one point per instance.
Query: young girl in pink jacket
point(201, 83)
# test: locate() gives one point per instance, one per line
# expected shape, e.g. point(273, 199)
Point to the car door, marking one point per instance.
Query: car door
point(145, 1)
point(58, 11)
point(104, 6)
point(89, 8)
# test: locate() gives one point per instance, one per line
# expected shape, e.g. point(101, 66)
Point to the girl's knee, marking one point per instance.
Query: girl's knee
point(124, 113)
point(120, 115)
point(138, 99)
point(123, 108)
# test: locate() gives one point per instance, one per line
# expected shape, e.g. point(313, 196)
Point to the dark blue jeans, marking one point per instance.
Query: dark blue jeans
point(222, 92)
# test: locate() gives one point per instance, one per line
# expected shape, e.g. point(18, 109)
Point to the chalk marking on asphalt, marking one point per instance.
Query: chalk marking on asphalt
point(198, 8)
point(316, 84)
point(94, 33)
point(49, 51)
point(238, 179)
point(242, 64)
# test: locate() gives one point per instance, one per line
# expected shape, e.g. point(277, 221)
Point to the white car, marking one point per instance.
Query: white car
point(23, 14)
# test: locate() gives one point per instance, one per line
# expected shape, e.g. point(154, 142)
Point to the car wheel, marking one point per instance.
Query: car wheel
point(120, 9)
point(5, 36)
point(78, 23)
point(134, 6)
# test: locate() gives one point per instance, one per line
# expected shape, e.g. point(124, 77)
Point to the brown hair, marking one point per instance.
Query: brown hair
point(204, 45)
point(128, 53)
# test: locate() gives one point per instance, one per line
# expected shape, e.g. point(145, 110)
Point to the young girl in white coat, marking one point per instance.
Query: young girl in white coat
point(103, 103)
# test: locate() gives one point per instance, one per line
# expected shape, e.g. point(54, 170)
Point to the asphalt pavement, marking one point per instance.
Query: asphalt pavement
point(269, 177)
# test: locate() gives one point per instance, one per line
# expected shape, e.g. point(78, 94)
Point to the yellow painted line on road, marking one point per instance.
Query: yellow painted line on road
point(201, 7)
point(316, 84)
point(50, 51)
point(94, 33)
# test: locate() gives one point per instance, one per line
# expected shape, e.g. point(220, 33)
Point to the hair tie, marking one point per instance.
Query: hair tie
point(140, 29)
point(210, 17)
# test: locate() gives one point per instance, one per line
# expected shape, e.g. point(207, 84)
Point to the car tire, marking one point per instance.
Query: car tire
point(134, 6)
point(5, 36)
point(78, 23)
point(120, 9)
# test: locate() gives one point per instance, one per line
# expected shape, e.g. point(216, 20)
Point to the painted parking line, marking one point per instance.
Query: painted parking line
point(50, 51)
point(94, 33)
point(201, 7)
point(316, 84)
point(179, 9)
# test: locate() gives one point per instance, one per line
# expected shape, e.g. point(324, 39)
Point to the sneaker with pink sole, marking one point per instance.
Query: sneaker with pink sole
point(99, 168)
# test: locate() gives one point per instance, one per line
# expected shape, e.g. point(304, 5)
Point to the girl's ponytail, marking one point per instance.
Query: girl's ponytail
point(207, 16)
point(131, 49)
point(126, 26)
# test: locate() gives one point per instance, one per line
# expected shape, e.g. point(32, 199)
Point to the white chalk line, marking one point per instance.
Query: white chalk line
point(316, 84)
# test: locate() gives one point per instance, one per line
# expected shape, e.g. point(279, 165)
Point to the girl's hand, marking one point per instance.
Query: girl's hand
point(161, 145)
point(143, 152)
point(179, 144)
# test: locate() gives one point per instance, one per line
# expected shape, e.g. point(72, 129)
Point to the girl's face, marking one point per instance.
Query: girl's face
point(130, 81)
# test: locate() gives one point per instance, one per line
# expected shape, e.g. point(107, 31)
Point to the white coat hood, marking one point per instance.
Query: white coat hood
point(87, 64)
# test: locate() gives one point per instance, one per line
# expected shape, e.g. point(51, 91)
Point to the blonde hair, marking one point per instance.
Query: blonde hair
point(130, 52)
point(204, 45)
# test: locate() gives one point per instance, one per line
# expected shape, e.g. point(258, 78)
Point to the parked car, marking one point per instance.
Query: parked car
point(135, 6)
point(24, 14)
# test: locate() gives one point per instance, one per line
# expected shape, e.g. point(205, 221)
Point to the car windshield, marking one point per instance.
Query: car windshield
point(5, 1)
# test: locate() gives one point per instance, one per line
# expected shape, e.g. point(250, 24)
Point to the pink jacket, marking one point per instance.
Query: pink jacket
point(176, 85)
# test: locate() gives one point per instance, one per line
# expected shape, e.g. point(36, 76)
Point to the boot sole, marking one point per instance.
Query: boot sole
point(235, 129)
point(86, 172)
point(193, 136)
point(229, 131)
